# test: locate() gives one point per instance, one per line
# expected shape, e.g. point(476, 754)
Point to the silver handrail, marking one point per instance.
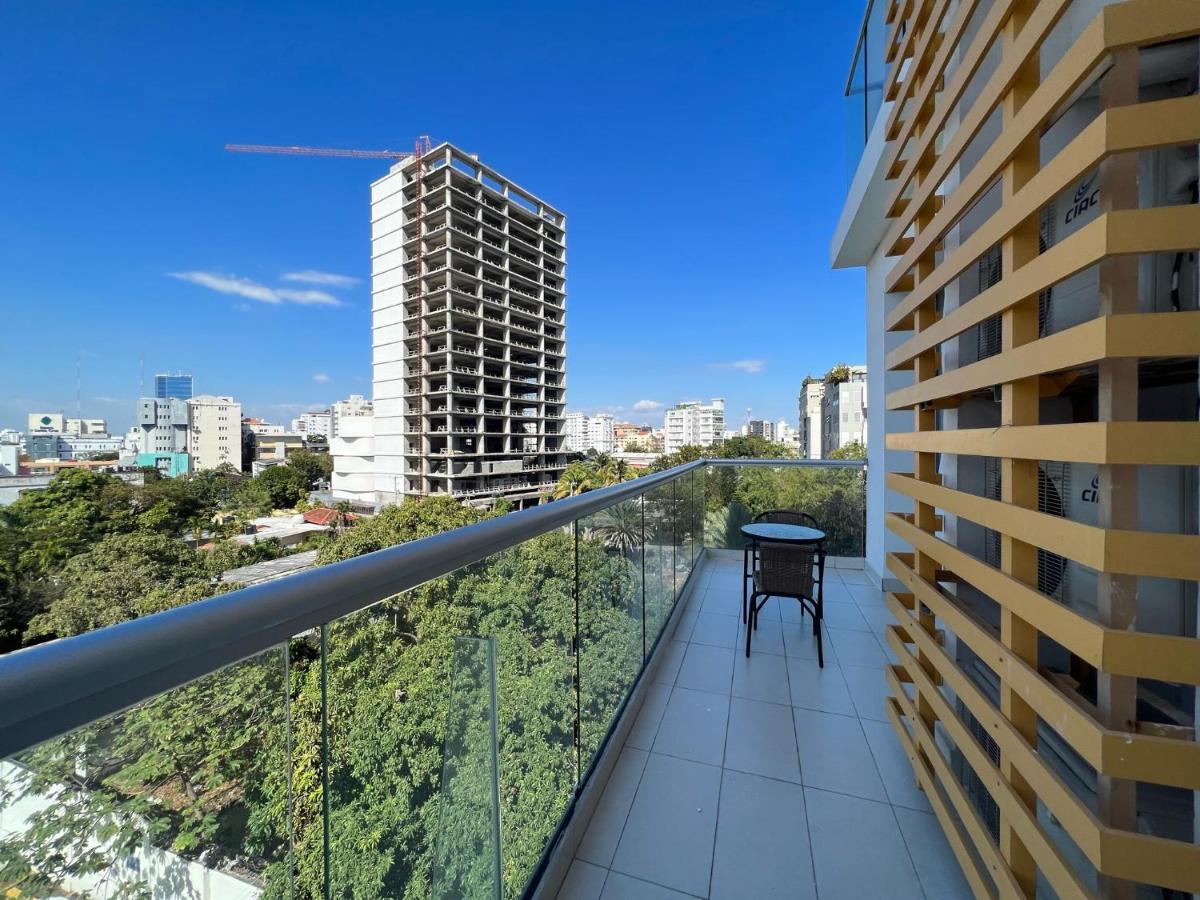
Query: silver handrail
point(56, 687)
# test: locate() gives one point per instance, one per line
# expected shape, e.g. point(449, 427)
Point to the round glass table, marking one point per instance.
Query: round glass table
point(784, 534)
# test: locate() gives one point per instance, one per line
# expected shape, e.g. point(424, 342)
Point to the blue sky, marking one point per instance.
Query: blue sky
point(697, 148)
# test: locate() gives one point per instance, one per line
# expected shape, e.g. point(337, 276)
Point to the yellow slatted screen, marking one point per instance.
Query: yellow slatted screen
point(1037, 290)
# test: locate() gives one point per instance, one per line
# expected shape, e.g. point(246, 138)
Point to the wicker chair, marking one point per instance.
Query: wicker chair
point(790, 570)
point(775, 516)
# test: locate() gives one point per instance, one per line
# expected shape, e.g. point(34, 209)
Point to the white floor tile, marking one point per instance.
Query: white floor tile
point(583, 882)
point(857, 849)
point(798, 640)
point(706, 669)
point(856, 648)
point(845, 615)
point(762, 841)
point(768, 637)
point(869, 689)
point(813, 687)
point(641, 735)
point(668, 838)
point(670, 659)
point(854, 576)
point(762, 740)
point(894, 767)
point(693, 726)
point(716, 631)
point(722, 602)
point(624, 887)
point(834, 755)
point(604, 830)
point(762, 676)
point(877, 617)
point(940, 874)
point(867, 595)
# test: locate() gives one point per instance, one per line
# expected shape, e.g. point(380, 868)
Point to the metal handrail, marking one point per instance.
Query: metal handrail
point(53, 688)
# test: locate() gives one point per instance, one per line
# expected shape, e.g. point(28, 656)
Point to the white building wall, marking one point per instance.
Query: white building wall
point(214, 432)
point(693, 424)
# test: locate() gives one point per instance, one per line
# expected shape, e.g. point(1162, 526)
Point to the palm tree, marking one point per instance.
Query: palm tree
point(620, 527)
point(575, 479)
point(611, 471)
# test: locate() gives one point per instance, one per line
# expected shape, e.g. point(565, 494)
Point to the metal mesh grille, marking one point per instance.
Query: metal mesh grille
point(1054, 487)
point(975, 789)
point(1046, 240)
point(989, 329)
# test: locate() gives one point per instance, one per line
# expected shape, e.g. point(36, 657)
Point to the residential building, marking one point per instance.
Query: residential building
point(786, 435)
point(173, 387)
point(844, 411)
point(1025, 210)
point(262, 426)
point(214, 432)
point(469, 343)
point(88, 446)
point(86, 426)
point(10, 454)
point(162, 441)
point(586, 432)
point(352, 446)
point(276, 448)
point(812, 393)
point(693, 424)
point(312, 424)
point(759, 428)
point(46, 422)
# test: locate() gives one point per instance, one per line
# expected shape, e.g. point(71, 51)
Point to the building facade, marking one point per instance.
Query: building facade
point(173, 387)
point(1025, 208)
point(163, 436)
point(586, 433)
point(812, 393)
point(46, 422)
point(312, 424)
point(352, 446)
point(468, 333)
point(693, 424)
point(844, 411)
point(86, 426)
point(214, 432)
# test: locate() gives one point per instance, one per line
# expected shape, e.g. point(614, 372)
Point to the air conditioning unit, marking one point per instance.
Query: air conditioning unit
point(1054, 498)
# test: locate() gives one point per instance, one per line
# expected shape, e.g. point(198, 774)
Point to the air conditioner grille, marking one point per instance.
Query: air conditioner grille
point(990, 267)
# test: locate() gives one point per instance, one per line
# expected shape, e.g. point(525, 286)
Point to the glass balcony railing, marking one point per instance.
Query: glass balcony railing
point(417, 722)
point(864, 84)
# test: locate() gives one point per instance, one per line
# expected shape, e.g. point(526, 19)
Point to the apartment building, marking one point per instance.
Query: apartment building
point(811, 420)
point(311, 424)
point(352, 446)
point(844, 411)
point(162, 439)
point(1025, 208)
point(87, 426)
point(214, 432)
point(693, 424)
point(586, 433)
point(469, 333)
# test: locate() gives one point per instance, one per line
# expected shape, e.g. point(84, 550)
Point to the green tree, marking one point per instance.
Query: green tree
point(851, 450)
point(317, 467)
point(107, 583)
point(286, 486)
point(576, 478)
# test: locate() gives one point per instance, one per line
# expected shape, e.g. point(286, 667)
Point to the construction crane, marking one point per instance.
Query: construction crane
point(422, 146)
point(321, 151)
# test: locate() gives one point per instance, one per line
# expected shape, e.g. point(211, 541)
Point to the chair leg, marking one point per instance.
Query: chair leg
point(820, 645)
point(745, 578)
point(750, 623)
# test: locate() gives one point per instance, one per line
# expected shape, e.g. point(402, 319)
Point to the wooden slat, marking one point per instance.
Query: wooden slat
point(920, 54)
point(937, 67)
point(1115, 443)
point(1044, 17)
point(1159, 656)
point(1152, 553)
point(1141, 336)
point(1086, 830)
point(1120, 130)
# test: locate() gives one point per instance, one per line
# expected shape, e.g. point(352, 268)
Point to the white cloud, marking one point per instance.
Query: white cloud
point(320, 378)
point(647, 406)
point(312, 276)
point(252, 290)
point(749, 366)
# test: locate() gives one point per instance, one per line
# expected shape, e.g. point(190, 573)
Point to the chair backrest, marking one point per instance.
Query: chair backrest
point(787, 517)
point(786, 569)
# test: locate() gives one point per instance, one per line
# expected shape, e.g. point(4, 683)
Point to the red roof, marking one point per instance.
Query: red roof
point(320, 515)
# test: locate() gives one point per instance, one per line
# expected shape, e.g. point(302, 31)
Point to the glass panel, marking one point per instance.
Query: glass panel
point(388, 689)
point(699, 480)
point(660, 558)
point(466, 861)
point(683, 531)
point(610, 617)
point(834, 496)
point(187, 794)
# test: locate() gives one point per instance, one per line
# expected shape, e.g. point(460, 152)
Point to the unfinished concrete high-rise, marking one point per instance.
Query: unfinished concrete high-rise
point(468, 299)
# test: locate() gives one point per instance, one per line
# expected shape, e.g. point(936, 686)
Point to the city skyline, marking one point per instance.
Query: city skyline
point(258, 277)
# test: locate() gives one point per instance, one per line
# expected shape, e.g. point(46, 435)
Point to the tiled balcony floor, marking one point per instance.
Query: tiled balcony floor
point(766, 777)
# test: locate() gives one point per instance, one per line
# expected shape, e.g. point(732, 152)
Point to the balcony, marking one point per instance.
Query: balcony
point(612, 731)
